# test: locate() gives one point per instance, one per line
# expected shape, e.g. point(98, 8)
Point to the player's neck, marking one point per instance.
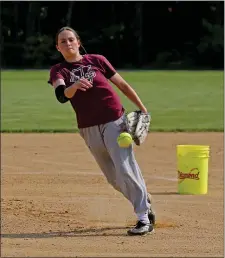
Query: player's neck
point(75, 58)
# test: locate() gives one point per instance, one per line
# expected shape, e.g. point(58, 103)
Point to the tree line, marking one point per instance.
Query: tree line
point(157, 35)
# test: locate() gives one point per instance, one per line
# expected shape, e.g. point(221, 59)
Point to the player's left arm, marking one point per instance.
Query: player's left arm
point(128, 91)
point(111, 74)
point(138, 122)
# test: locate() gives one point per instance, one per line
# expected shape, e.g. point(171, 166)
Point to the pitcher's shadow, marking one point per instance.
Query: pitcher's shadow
point(88, 232)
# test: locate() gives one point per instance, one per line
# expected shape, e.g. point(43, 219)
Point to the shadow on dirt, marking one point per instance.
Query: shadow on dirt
point(85, 232)
point(88, 232)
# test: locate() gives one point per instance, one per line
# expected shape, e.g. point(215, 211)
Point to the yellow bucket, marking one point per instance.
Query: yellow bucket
point(192, 166)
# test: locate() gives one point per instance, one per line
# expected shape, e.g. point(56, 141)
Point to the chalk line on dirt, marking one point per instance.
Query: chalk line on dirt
point(82, 173)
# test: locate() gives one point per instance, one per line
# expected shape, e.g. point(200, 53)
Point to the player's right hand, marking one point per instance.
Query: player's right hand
point(83, 84)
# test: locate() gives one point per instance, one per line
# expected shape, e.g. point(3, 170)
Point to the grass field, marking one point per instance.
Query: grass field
point(177, 100)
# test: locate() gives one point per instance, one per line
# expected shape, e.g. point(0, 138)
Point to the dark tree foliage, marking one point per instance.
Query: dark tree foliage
point(151, 35)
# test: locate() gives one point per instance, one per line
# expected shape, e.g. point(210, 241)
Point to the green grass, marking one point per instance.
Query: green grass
point(177, 100)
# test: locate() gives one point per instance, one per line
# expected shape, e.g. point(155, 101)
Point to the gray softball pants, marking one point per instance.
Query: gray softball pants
point(118, 164)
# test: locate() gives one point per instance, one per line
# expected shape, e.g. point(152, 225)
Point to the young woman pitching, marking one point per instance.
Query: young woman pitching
point(83, 80)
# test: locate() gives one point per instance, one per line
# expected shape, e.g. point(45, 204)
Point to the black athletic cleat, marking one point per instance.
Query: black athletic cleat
point(141, 229)
point(151, 213)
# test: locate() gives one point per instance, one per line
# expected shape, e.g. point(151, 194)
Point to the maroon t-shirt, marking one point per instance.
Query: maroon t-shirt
point(99, 104)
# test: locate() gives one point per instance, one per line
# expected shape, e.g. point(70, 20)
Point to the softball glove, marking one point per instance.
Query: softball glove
point(138, 124)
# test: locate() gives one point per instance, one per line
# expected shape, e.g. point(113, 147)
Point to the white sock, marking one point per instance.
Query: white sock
point(143, 217)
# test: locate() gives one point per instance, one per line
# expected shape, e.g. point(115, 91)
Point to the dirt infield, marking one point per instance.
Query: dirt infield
point(55, 201)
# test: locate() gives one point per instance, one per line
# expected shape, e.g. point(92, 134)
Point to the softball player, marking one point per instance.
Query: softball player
point(83, 80)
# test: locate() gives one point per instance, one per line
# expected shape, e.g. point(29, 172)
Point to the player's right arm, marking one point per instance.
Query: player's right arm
point(63, 93)
point(60, 86)
point(82, 84)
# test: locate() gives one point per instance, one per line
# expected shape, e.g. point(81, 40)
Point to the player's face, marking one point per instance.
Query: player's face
point(68, 44)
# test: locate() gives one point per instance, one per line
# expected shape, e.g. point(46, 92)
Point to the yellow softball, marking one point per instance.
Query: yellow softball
point(124, 140)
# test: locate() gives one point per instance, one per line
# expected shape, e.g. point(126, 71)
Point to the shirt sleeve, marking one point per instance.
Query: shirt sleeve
point(55, 75)
point(108, 69)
